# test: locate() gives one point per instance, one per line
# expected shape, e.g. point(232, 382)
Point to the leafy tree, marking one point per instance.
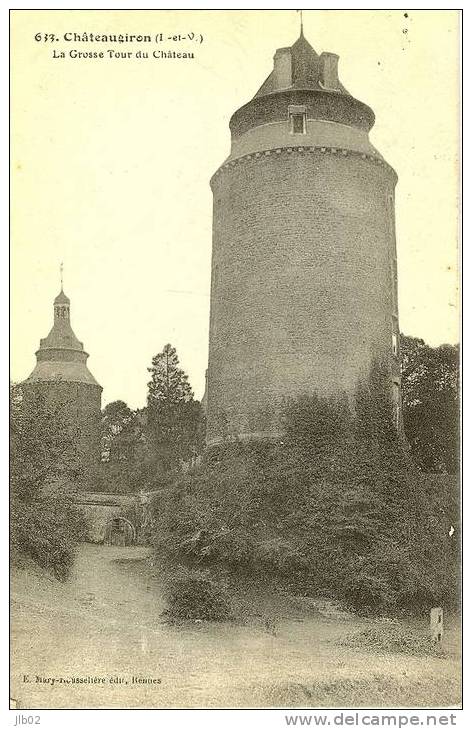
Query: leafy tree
point(129, 458)
point(121, 432)
point(430, 386)
point(174, 417)
point(45, 524)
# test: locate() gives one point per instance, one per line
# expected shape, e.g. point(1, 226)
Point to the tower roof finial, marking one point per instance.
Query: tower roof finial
point(301, 22)
point(61, 298)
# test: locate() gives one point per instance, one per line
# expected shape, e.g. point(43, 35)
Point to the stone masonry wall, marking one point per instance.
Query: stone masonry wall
point(303, 281)
point(79, 405)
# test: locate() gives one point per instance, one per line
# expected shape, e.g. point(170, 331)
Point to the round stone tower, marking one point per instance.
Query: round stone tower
point(61, 377)
point(304, 271)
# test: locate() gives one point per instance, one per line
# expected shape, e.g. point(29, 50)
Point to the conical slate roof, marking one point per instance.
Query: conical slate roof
point(305, 70)
point(301, 76)
point(61, 356)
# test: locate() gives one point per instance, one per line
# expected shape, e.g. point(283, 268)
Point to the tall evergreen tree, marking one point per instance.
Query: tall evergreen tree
point(174, 416)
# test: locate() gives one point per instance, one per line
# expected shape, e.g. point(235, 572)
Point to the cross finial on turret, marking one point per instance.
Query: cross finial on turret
point(62, 275)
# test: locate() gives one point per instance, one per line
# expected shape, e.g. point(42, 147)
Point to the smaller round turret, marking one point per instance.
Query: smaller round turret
point(61, 377)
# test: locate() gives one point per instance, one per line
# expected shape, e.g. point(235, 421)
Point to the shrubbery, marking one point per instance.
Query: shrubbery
point(336, 508)
point(44, 524)
point(196, 597)
point(129, 477)
point(48, 530)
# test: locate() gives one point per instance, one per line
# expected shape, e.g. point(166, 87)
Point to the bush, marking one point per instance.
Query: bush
point(337, 508)
point(126, 477)
point(368, 591)
point(45, 525)
point(196, 598)
point(48, 530)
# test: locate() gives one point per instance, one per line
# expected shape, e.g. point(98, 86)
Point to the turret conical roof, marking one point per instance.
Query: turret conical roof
point(61, 356)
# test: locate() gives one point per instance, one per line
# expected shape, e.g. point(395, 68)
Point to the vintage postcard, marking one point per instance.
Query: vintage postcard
point(235, 360)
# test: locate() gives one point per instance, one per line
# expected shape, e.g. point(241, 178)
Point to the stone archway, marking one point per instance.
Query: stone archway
point(120, 532)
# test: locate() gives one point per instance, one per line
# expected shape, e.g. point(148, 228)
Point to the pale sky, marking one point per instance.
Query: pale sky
point(111, 162)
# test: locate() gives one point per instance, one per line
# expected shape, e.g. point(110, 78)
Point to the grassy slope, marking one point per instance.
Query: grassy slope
point(279, 652)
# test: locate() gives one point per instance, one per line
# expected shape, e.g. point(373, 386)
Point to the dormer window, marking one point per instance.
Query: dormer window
point(297, 117)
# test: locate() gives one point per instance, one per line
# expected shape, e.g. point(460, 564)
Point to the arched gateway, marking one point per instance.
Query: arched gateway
point(112, 518)
point(120, 532)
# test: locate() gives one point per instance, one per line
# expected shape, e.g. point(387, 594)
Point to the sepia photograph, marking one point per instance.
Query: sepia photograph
point(235, 322)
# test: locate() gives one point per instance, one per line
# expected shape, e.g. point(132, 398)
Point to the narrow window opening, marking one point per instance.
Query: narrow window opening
point(397, 405)
point(298, 124)
point(395, 344)
point(297, 116)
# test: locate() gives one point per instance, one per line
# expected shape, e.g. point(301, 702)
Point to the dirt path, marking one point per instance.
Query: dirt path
point(103, 626)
